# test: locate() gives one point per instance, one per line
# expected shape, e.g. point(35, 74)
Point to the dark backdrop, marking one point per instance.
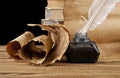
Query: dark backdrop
point(16, 14)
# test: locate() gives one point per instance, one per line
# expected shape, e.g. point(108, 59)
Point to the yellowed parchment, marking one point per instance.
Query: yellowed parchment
point(43, 49)
point(107, 35)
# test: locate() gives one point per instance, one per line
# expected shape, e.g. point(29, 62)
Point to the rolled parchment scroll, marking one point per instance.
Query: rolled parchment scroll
point(43, 49)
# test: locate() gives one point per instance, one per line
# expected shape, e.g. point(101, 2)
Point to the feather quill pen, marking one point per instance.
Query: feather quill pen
point(81, 45)
point(98, 12)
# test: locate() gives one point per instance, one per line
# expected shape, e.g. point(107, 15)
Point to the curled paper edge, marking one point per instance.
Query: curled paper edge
point(36, 54)
point(14, 45)
point(55, 45)
point(60, 37)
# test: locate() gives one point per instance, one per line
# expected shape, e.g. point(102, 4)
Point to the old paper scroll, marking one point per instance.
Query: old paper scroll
point(107, 35)
point(43, 49)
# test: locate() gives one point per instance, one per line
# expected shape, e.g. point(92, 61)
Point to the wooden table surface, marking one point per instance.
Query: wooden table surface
point(10, 68)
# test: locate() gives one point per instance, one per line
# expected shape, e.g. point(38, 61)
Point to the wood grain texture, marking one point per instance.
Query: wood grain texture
point(108, 66)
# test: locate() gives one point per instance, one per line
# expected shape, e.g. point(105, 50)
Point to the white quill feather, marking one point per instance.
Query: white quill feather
point(98, 12)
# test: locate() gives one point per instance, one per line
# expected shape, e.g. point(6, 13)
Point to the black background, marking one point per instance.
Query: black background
point(16, 14)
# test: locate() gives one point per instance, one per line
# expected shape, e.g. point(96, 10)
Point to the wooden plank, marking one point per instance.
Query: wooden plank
point(61, 70)
point(2, 48)
point(10, 68)
point(81, 75)
point(3, 54)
